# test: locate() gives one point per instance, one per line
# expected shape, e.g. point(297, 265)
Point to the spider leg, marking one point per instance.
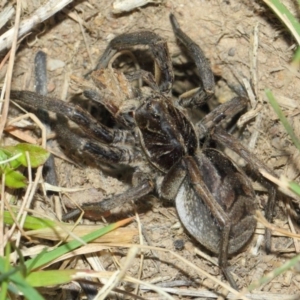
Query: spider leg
point(100, 152)
point(141, 189)
point(221, 136)
point(220, 114)
point(147, 77)
point(40, 70)
point(122, 113)
point(195, 205)
point(88, 123)
point(221, 217)
point(158, 47)
point(199, 95)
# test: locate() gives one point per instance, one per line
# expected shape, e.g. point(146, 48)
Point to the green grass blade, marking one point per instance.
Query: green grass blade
point(286, 17)
point(31, 223)
point(47, 257)
point(26, 289)
point(13, 280)
point(283, 119)
point(51, 277)
point(294, 187)
point(276, 272)
point(296, 58)
point(5, 265)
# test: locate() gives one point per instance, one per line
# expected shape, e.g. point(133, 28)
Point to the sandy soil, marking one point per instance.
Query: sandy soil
point(225, 31)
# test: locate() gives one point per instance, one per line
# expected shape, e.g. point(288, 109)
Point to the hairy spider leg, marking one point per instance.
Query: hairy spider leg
point(158, 47)
point(108, 145)
point(75, 113)
point(222, 137)
point(220, 114)
point(213, 121)
point(200, 95)
point(140, 190)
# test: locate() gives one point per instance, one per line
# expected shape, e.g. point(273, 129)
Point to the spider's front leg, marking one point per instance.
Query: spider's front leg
point(104, 144)
point(158, 46)
point(200, 95)
point(75, 113)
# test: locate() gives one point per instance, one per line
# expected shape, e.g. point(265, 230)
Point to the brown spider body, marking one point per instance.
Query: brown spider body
point(233, 193)
point(166, 134)
point(214, 198)
point(170, 141)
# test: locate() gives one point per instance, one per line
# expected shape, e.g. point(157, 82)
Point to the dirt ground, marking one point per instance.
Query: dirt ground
point(225, 31)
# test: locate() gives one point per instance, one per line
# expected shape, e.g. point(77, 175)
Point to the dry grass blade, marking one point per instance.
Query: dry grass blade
point(6, 14)
point(206, 294)
point(8, 77)
point(263, 221)
point(118, 275)
point(43, 13)
point(32, 186)
point(186, 262)
point(124, 235)
point(282, 183)
point(225, 35)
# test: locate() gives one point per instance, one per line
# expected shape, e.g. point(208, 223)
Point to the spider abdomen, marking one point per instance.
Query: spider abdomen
point(210, 173)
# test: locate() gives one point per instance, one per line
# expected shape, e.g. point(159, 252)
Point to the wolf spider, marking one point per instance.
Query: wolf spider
point(214, 198)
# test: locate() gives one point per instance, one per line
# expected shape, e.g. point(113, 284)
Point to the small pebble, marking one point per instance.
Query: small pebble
point(179, 244)
point(231, 52)
point(54, 64)
point(51, 87)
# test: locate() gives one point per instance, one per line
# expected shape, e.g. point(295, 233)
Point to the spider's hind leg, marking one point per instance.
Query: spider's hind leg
point(139, 190)
point(212, 124)
point(229, 141)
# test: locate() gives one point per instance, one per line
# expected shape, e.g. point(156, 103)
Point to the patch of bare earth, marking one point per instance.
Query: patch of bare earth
point(225, 32)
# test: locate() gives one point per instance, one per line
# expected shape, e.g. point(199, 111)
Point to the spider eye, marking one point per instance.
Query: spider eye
point(152, 111)
point(155, 116)
point(148, 106)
